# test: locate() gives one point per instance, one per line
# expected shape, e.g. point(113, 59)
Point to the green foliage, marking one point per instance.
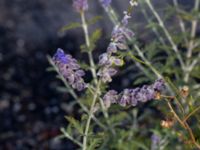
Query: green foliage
point(72, 25)
point(96, 35)
point(75, 123)
point(94, 20)
point(118, 128)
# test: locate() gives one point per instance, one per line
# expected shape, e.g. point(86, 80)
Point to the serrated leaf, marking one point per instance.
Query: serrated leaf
point(94, 20)
point(70, 26)
point(84, 48)
point(94, 38)
point(75, 123)
point(141, 80)
point(94, 143)
point(118, 118)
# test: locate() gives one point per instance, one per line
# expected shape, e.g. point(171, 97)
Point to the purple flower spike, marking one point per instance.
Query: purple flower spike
point(143, 94)
point(69, 69)
point(80, 5)
point(105, 3)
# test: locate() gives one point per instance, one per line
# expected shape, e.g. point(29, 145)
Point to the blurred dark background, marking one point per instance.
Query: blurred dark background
point(31, 109)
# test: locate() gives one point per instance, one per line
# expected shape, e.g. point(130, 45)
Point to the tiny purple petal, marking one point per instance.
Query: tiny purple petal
point(158, 85)
point(112, 48)
point(110, 97)
point(125, 19)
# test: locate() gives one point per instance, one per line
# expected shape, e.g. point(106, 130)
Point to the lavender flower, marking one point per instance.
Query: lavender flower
point(105, 3)
point(70, 69)
point(80, 5)
point(107, 70)
point(110, 97)
point(125, 98)
point(133, 96)
point(106, 73)
point(119, 37)
point(125, 19)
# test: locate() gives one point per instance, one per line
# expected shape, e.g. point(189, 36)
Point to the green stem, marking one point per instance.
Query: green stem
point(181, 23)
point(105, 113)
point(87, 40)
point(190, 114)
point(174, 46)
point(85, 138)
point(70, 137)
point(185, 125)
point(191, 44)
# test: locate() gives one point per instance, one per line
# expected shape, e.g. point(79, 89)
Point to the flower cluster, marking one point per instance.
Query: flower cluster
point(107, 71)
point(80, 5)
point(69, 69)
point(108, 61)
point(133, 96)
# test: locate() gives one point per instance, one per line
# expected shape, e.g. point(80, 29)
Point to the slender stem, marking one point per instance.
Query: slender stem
point(191, 43)
point(154, 29)
point(175, 115)
point(111, 14)
point(174, 46)
point(193, 30)
point(85, 28)
point(192, 135)
point(184, 125)
point(147, 62)
point(181, 23)
point(190, 114)
point(70, 137)
point(105, 113)
point(87, 40)
point(85, 138)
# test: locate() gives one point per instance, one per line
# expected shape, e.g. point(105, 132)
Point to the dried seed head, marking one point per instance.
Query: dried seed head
point(167, 123)
point(184, 91)
point(157, 95)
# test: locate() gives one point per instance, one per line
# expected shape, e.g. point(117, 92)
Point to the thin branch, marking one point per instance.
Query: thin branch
point(184, 125)
point(85, 138)
point(87, 40)
point(161, 23)
point(181, 23)
point(190, 114)
point(70, 137)
point(191, 44)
